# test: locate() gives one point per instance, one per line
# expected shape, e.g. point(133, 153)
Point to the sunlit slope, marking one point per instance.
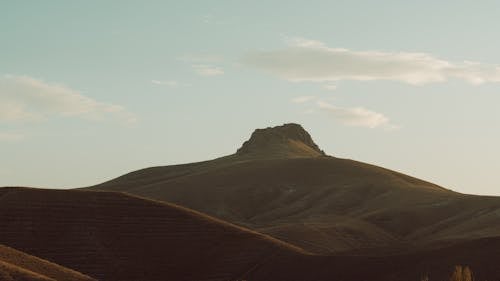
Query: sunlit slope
point(19, 266)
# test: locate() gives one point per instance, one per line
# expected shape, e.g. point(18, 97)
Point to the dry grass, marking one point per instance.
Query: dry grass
point(460, 273)
point(114, 236)
point(10, 272)
point(344, 205)
point(17, 265)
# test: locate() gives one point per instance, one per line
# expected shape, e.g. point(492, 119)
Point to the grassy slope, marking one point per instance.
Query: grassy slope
point(114, 236)
point(16, 265)
point(322, 204)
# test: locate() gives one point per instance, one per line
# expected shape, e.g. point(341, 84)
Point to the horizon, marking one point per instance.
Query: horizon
point(87, 94)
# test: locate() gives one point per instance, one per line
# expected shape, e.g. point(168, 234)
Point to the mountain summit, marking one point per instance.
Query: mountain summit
point(286, 141)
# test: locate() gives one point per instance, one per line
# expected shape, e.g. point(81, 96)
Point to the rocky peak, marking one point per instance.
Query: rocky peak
point(288, 140)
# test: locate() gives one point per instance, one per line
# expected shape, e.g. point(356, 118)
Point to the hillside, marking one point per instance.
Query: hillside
point(481, 255)
point(313, 217)
point(113, 236)
point(282, 184)
point(19, 266)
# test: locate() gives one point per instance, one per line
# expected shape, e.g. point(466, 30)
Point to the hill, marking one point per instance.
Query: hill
point(481, 255)
point(282, 184)
point(114, 236)
point(19, 266)
point(313, 217)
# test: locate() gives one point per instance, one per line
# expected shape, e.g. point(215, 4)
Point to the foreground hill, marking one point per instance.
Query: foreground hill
point(19, 266)
point(481, 255)
point(280, 183)
point(112, 236)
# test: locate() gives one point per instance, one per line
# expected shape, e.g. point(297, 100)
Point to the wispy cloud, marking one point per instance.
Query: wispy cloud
point(204, 64)
point(303, 99)
point(11, 137)
point(330, 87)
point(356, 116)
point(314, 61)
point(348, 116)
point(169, 83)
point(24, 98)
point(207, 70)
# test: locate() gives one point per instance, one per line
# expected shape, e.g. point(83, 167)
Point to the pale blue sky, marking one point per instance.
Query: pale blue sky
point(95, 89)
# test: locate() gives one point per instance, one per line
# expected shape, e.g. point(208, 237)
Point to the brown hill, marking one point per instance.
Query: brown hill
point(19, 266)
point(280, 183)
point(481, 255)
point(114, 236)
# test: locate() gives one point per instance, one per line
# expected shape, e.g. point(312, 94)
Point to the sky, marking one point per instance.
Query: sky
point(90, 90)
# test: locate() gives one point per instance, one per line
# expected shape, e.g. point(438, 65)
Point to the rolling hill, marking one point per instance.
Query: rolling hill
point(278, 209)
point(114, 236)
point(19, 266)
point(282, 184)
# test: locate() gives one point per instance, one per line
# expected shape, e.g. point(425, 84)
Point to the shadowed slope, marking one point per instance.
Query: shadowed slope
point(481, 255)
point(18, 266)
point(113, 236)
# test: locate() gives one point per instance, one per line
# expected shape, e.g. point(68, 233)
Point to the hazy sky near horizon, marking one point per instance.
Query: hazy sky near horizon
point(90, 90)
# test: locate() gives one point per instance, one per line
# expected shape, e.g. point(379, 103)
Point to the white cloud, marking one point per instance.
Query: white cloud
point(29, 99)
point(207, 70)
point(10, 137)
point(330, 87)
point(12, 111)
point(356, 116)
point(303, 42)
point(303, 99)
point(309, 60)
point(204, 64)
point(169, 83)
